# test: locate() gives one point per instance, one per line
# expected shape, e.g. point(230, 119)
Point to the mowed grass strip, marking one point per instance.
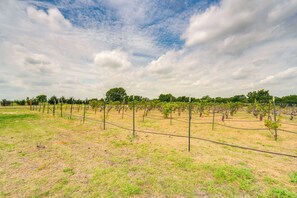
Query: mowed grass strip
point(43, 156)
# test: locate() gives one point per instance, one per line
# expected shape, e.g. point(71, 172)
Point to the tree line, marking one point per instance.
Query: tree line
point(119, 95)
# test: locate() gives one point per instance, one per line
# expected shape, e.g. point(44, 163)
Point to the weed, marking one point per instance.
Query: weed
point(281, 193)
point(293, 177)
point(130, 189)
point(69, 170)
point(270, 180)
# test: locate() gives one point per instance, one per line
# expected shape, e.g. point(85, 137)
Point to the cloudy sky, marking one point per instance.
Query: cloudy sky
point(82, 48)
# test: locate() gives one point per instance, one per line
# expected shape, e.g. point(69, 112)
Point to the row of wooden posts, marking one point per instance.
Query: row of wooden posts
point(133, 116)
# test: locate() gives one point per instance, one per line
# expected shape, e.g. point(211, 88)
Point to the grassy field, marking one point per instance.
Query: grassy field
point(46, 156)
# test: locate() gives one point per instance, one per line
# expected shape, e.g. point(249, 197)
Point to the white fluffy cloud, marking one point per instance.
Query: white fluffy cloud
point(163, 65)
point(53, 18)
point(240, 22)
point(231, 47)
point(115, 59)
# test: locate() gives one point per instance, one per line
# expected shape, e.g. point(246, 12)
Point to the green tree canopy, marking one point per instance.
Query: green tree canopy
point(238, 98)
point(166, 97)
point(41, 98)
point(53, 99)
point(116, 94)
point(261, 96)
point(62, 99)
point(182, 99)
point(291, 99)
point(136, 98)
point(207, 98)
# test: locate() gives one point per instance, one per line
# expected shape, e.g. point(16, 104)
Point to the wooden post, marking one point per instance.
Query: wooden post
point(43, 107)
point(213, 114)
point(71, 109)
point(133, 107)
point(84, 117)
point(61, 103)
point(123, 109)
point(268, 117)
point(144, 111)
point(274, 112)
point(54, 108)
point(104, 109)
point(47, 107)
point(170, 110)
point(30, 104)
point(189, 132)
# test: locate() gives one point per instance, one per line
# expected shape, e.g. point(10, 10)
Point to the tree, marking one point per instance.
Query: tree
point(20, 102)
point(261, 96)
point(238, 98)
point(116, 94)
point(207, 98)
point(5, 102)
point(70, 100)
point(220, 100)
point(291, 99)
point(166, 97)
point(35, 101)
point(186, 99)
point(62, 99)
point(41, 98)
point(130, 98)
point(78, 101)
point(166, 109)
point(28, 101)
point(94, 103)
point(53, 99)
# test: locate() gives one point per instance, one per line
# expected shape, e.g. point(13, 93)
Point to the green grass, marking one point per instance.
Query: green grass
point(119, 143)
point(69, 171)
point(270, 180)
point(293, 177)
point(237, 179)
point(280, 193)
point(16, 117)
point(114, 181)
point(7, 146)
point(180, 161)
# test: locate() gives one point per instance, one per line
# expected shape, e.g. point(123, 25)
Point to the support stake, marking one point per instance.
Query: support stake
point(71, 107)
point(84, 117)
point(274, 112)
point(189, 132)
point(104, 107)
point(54, 109)
point(133, 107)
point(213, 114)
point(170, 110)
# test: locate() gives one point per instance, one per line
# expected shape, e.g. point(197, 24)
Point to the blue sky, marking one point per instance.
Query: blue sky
point(82, 48)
